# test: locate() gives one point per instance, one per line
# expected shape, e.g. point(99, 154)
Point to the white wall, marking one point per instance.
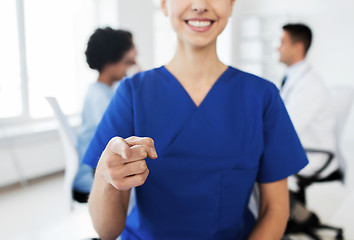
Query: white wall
point(137, 17)
point(25, 157)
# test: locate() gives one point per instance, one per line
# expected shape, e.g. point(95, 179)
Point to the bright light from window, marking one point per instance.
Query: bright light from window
point(56, 38)
point(157, 2)
point(10, 82)
point(224, 44)
point(164, 39)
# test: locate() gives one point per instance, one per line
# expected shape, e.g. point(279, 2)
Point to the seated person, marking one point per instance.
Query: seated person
point(110, 52)
point(307, 99)
point(308, 103)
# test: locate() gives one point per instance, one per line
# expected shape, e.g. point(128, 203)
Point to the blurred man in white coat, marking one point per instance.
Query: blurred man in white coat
point(307, 99)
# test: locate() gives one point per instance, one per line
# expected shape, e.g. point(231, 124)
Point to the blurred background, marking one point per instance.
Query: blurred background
point(42, 48)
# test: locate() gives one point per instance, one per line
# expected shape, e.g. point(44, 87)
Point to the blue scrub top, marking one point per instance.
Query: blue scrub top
point(209, 156)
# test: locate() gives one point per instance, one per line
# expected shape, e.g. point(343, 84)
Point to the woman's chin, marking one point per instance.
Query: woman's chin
point(199, 43)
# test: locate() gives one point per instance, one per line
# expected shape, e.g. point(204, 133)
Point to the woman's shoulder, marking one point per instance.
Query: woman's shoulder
point(146, 75)
point(98, 91)
point(252, 81)
point(143, 78)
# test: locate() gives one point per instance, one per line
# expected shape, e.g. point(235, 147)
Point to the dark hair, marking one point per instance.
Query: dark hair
point(300, 33)
point(107, 46)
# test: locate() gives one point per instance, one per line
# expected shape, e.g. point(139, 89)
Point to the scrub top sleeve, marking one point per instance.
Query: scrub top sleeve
point(116, 121)
point(283, 154)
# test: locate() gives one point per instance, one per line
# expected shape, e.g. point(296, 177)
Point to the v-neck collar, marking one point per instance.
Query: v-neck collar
point(175, 81)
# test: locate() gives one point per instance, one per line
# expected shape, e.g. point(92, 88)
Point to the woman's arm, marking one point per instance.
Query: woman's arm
point(121, 167)
point(108, 208)
point(274, 211)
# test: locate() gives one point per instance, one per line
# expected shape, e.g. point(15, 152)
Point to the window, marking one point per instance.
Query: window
point(56, 37)
point(43, 54)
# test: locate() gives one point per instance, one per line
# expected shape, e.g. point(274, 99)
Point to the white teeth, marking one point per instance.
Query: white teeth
point(199, 23)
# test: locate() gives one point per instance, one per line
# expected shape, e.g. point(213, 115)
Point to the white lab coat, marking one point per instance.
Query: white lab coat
point(308, 102)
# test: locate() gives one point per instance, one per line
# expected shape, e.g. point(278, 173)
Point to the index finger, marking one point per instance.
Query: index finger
point(147, 142)
point(119, 146)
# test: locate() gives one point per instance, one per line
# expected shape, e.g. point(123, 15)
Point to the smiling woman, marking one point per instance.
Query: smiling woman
point(193, 137)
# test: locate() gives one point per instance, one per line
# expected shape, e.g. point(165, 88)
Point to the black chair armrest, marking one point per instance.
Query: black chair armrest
point(308, 180)
point(304, 182)
point(330, 157)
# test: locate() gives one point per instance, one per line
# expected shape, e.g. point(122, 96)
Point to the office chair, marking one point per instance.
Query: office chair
point(69, 141)
point(342, 99)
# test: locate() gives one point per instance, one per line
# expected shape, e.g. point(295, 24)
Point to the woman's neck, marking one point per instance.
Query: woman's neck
point(105, 78)
point(196, 65)
point(197, 69)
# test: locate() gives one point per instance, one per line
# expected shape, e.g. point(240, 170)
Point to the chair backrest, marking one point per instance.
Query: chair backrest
point(342, 98)
point(68, 140)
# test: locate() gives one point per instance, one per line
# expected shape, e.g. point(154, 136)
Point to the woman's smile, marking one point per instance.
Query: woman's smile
point(199, 25)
